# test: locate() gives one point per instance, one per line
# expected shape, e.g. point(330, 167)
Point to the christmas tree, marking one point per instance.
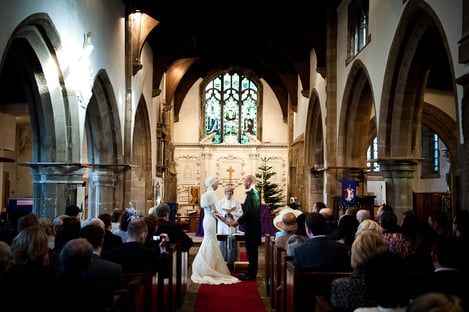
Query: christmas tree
point(270, 192)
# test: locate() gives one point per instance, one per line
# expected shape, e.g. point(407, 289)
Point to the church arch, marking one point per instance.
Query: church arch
point(445, 126)
point(314, 152)
point(414, 64)
point(141, 178)
point(31, 51)
point(355, 118)
point(31, 74)
point(405, 82)
point(104, 149)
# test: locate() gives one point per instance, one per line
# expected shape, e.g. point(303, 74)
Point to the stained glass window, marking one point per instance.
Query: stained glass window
point(358, 30)
point(231, 108)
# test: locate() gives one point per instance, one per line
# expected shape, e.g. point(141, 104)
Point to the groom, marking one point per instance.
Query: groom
point(252, 226)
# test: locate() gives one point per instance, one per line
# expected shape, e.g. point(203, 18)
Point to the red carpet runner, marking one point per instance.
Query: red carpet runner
point(229, 298)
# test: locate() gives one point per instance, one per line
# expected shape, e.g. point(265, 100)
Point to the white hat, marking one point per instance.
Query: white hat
point(278, 218)
point(210, 181)
point(288, 222)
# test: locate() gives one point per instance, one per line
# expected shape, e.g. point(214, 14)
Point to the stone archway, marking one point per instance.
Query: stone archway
point(141, 184)
point(418, 45)
point(31, 74)
point(356, 126)
point(314, 153)
point(104, 149)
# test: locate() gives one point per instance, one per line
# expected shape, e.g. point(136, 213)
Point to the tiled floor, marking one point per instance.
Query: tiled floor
point(192, 288)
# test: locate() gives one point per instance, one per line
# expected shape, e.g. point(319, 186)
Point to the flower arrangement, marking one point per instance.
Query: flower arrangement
point(294, 203)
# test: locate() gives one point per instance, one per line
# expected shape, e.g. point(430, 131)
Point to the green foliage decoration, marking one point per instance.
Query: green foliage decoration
point(270, 192)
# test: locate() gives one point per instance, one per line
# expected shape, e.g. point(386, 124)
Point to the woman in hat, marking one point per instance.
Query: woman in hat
point(209, 266)
point(288, 224)
point(279, 216)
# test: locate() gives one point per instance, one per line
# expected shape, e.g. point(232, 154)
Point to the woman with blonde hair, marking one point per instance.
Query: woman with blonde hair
point(348, 293)
point(30, 246)
point(369, 225)
point(30, 271)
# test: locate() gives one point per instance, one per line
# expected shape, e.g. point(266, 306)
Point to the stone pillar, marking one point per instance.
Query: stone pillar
point(399, 175)
point(54, 187)
point(316, 190)
point(103, 194)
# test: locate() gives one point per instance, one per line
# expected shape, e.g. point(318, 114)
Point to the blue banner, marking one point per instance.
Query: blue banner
point(349, 192)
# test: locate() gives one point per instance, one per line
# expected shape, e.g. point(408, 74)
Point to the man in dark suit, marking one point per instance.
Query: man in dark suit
point(173, 229)
point(111, 240)
point(134, 256)
point(449, 277)
point(101, 271)
point(72, 289)
point(320, 253)
point(252, 226)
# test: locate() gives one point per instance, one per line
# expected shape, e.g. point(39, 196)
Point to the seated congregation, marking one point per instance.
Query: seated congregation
point(73, 265)
point(359, 264)
point(313, 263)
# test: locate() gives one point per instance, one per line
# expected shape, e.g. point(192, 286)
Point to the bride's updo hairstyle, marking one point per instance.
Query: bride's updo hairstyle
point(210, 181)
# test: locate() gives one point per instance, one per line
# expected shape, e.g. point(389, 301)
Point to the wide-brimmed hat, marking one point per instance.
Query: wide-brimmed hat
point(287, 222)
point(278, 217)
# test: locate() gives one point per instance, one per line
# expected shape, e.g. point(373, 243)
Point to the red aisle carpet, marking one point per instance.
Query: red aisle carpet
point(229, 298)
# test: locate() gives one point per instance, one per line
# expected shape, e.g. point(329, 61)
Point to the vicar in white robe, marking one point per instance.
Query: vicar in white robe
point(231, 209)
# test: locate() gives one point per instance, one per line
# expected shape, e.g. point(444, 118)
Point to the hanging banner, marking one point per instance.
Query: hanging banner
point(349, 191)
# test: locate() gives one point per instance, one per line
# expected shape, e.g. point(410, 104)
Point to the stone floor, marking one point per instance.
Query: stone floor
point(192, 288)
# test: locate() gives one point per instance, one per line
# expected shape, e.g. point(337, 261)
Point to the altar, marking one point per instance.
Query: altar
point(267, 226)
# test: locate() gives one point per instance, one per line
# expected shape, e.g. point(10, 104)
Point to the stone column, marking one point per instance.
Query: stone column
point(316, 189)
point(103, 194)
point(54, 187)
point(399, 175)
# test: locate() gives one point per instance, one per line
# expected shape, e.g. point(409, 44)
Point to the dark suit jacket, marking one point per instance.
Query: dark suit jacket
point(134, 257)
point(78, 294)
point(250, 218)
point(104, 272)
point(175, 233)
point(322, 254)
point(111, 241)
point(450, 282)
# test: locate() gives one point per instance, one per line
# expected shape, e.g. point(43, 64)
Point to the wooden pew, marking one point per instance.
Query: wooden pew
point(182, 274)
point(267, 263)
point(272, 271)
point(303, 286)
point(136, 298)
point(135, 294)
point(167, 285)
point(278, 278)
point(159, 292)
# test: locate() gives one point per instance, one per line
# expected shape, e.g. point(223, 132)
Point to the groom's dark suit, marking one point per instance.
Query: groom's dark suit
point(252, 229)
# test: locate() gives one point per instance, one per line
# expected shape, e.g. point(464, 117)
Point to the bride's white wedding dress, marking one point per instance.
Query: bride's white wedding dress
point(208, 266)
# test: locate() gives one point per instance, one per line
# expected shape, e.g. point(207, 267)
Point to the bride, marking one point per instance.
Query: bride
point(209, 266)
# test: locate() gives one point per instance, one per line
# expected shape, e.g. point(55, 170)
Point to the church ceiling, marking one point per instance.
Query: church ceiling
point(272, 39)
